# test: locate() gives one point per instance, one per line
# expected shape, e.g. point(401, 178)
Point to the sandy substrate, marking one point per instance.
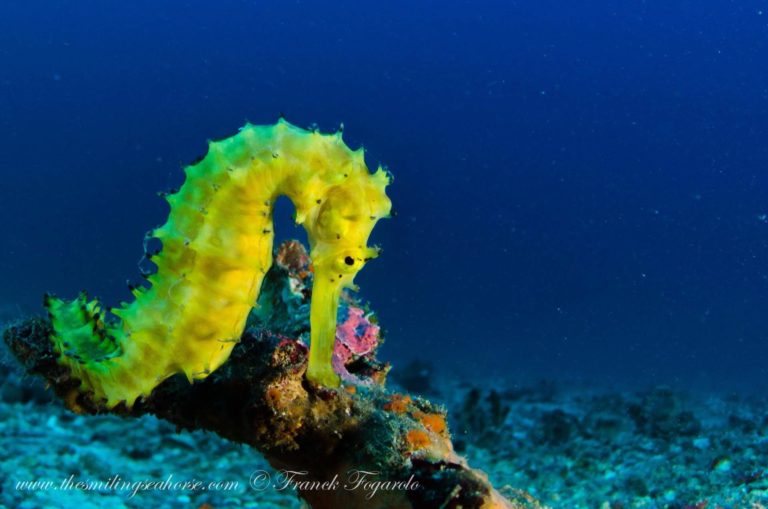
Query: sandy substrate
point(652, 448)
point(571, 448)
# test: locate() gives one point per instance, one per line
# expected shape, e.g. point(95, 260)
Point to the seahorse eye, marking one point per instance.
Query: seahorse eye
point(349, 260)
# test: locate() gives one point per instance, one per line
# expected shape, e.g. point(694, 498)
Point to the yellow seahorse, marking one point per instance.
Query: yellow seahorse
point(217, 247)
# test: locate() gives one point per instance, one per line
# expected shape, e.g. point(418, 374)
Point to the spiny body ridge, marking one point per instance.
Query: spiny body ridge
point(216, 249)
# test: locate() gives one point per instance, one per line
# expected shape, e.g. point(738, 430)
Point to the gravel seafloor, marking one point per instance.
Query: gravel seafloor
point(570, 447)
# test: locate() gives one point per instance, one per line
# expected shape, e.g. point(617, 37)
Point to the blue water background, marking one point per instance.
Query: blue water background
point(581, 187)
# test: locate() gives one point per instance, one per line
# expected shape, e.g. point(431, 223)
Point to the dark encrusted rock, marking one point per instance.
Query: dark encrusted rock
point(659, 414)
point(482, 417)
point(556, 427)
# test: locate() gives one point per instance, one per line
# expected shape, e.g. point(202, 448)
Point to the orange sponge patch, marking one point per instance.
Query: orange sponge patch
point(418, 439)
point(398, 404)
point(433, 422)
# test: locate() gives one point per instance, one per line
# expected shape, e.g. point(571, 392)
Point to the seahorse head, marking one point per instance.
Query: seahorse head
point(343, 224)
point(338, 235)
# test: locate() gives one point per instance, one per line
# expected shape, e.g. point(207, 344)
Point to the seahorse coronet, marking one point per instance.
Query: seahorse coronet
point(216, 248)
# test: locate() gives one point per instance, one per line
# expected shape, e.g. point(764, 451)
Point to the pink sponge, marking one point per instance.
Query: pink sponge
point(356, 337)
